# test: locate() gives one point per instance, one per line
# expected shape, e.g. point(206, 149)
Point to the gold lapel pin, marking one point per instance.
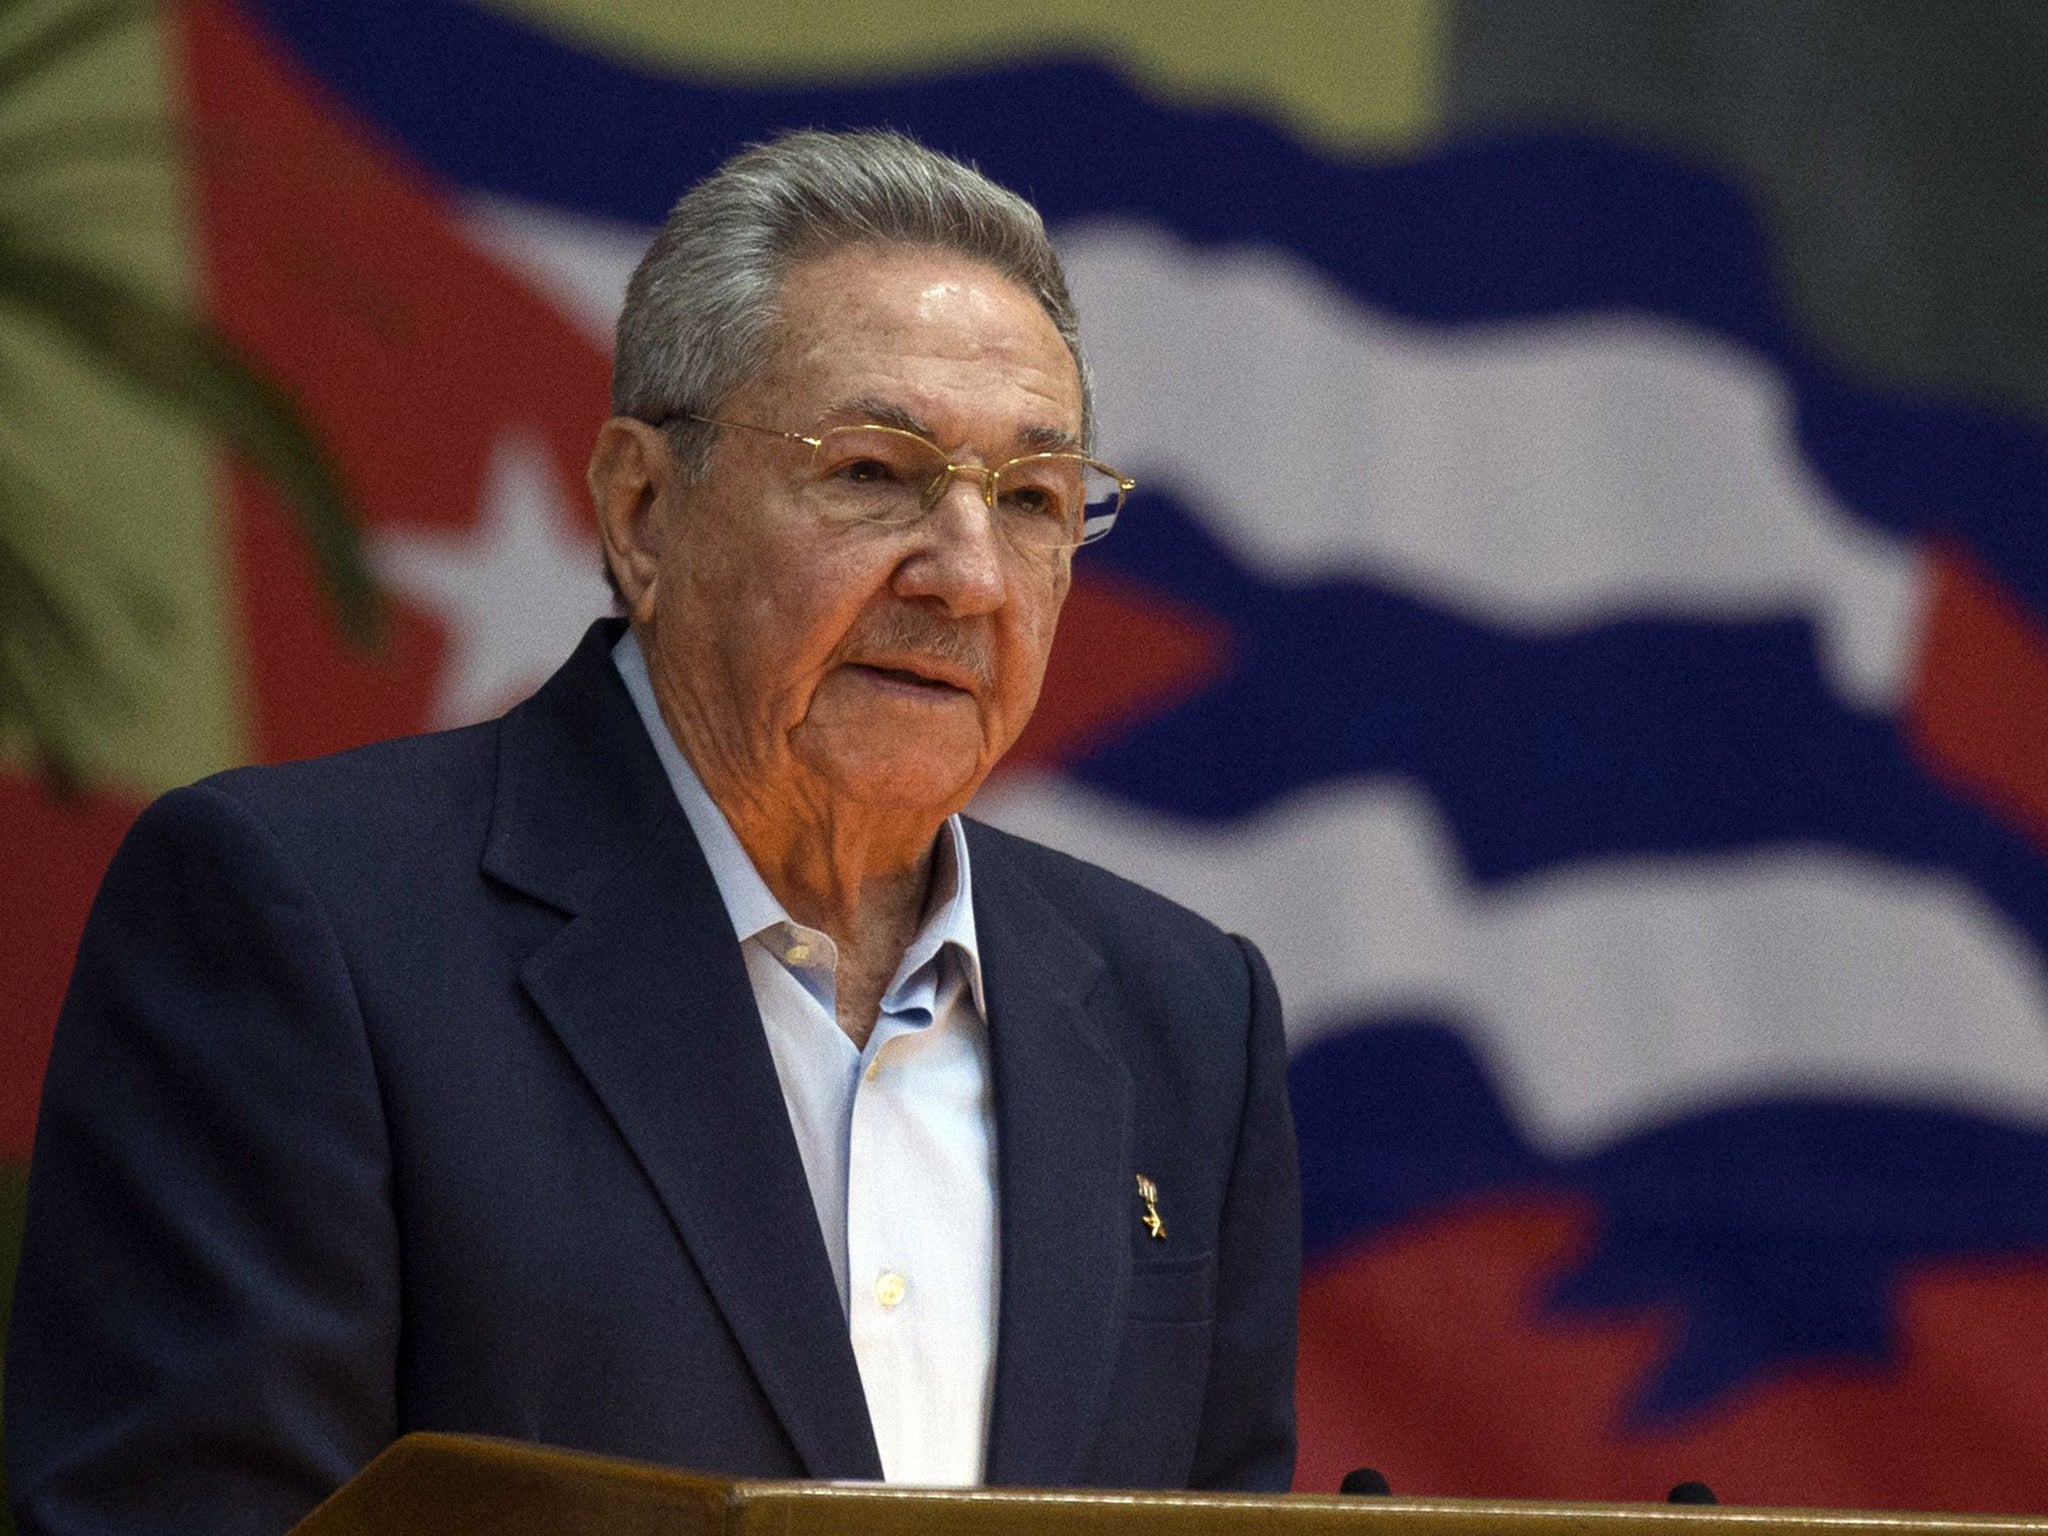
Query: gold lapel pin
point(1149, 1193)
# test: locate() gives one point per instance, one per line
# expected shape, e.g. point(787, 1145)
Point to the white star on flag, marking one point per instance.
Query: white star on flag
point(516, 590)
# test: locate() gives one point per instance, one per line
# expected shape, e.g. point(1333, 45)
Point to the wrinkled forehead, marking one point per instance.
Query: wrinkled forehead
point(911, 338)
point(876, 410)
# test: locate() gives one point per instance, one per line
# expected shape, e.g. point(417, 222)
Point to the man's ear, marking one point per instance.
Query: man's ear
point(631, 477)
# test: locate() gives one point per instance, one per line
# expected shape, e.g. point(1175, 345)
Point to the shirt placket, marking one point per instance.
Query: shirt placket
point(885, 1309)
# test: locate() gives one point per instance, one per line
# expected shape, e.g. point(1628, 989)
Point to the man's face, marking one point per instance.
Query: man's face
point(890, 667)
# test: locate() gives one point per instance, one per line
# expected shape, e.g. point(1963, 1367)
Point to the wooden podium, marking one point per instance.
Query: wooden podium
point(451, 1485)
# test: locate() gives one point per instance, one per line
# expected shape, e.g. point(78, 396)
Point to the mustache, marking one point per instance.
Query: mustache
point(913, 632)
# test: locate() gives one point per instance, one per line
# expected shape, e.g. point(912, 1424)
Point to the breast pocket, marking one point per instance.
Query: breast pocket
point(1174, 1290)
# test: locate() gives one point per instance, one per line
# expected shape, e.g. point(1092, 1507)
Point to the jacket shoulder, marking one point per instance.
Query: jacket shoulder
point(390, 803)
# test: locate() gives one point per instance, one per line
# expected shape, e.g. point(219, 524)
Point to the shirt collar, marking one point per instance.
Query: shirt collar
point(752, 907)
point(948, 916)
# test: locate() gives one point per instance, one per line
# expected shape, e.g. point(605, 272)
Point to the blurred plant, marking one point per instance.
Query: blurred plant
point(52, 661)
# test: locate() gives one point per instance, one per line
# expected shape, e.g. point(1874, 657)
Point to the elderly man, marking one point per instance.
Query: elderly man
point(667, 1069)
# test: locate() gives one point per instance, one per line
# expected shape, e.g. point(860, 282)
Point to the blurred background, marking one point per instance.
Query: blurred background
point(1585, 614)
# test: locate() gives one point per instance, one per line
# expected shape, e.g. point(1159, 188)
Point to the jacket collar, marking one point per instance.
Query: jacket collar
point(1063, 1130)
point(646, 988)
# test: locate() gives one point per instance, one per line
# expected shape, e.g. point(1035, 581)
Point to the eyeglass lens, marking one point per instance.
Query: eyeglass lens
point(881, 474)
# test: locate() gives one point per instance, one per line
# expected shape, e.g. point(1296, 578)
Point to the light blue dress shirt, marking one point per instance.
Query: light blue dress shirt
point(897, 1139)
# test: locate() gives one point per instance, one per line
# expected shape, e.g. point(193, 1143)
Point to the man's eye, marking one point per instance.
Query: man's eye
point(1035, 503)
point(866, 472)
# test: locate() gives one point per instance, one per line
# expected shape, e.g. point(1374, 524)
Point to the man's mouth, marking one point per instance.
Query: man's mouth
point(936, 685)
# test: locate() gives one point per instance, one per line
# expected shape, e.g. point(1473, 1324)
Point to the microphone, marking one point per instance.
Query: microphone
point(1692, 1493)
point(1367, 1480)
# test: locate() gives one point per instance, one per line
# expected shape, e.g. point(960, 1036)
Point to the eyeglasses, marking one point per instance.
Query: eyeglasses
point(891, 478)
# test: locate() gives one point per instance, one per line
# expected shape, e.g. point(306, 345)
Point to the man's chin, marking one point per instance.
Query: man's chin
point(889, 773)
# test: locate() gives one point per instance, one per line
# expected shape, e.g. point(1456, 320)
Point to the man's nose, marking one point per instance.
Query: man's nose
point(983, 481)
point(960, 553)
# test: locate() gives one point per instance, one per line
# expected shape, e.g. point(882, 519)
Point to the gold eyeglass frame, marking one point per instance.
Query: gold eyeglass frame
point(986, 475)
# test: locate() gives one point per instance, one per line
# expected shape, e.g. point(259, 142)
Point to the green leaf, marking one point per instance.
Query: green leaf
point(47, 47)
point(47, 653)
point(84, 141)
point(52, 663)
point(161, 350)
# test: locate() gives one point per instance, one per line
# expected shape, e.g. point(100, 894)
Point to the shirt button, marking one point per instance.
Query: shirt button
point(889, 1288)
point(874, 1069)
point(797, 954)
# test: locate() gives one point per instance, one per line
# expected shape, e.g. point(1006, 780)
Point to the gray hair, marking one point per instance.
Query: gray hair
point(702, 303)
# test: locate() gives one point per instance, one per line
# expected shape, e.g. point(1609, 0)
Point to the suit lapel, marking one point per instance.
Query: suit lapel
point(648, 993)
point(1063, 1107)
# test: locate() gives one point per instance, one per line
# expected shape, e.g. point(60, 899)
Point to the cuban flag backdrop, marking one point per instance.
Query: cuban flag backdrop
point(1624, 728)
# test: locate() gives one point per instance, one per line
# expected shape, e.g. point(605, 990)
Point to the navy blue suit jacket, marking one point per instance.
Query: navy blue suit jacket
point(423, 1087)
